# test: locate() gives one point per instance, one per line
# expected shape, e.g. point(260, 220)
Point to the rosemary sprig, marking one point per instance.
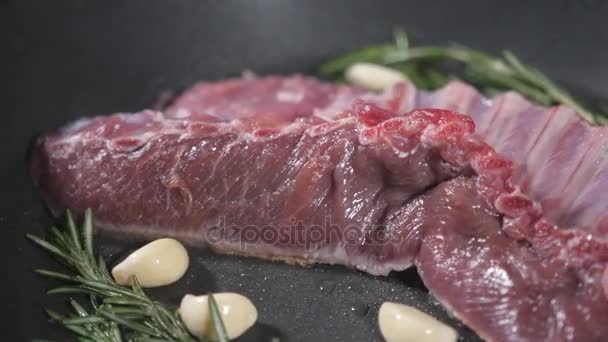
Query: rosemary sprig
point(425, 66)
point(117, 313)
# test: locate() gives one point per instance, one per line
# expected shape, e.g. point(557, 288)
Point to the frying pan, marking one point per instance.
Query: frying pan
point(68, 59)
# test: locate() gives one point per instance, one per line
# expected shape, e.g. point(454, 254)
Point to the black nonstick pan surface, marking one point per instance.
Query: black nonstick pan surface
point(66, 59)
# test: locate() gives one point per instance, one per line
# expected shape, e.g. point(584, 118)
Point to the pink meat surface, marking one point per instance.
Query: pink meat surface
point(558, 157)
point(497, 232)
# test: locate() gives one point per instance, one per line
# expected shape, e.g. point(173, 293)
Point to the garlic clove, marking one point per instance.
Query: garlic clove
point(160, 262)
point(238, 313)
point(373, 76)
point(399, 322)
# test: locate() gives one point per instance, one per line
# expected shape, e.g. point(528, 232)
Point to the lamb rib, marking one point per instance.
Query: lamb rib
point(341, 181)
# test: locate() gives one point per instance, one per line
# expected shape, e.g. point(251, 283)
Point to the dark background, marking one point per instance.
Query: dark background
point(65, 59)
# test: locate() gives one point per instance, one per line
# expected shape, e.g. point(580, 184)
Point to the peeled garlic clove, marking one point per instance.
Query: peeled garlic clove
point(158, 263)
point(400, 322)
point(238, 313)
point(373, 76)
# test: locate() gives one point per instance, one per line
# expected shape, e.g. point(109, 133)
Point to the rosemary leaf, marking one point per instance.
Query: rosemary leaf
point(56, 275)
point(118, 300)
point(94, 302)
point(83, 320)
point(115, 332)
point(78, 309)
point(108, 313)
point(88, 233)
point(49, 247)
point(73, 232)
point(61, 242)
point(77, 329)
point(103, 269)
point(54, 315)
point(68, 289)
point(216, 318)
